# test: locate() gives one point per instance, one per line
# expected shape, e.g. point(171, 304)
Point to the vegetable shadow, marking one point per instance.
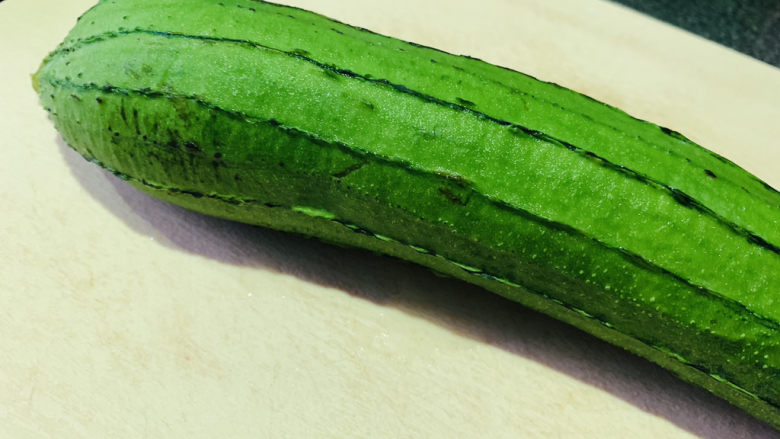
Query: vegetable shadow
point(464, 309)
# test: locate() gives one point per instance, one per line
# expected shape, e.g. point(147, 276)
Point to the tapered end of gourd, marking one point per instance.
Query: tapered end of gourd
point(35, 82)
point(36, 77)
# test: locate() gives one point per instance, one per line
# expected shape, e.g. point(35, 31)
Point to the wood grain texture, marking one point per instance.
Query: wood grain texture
point(123, 316)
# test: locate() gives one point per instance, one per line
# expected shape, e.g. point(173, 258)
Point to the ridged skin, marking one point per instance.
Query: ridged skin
point(280, 117)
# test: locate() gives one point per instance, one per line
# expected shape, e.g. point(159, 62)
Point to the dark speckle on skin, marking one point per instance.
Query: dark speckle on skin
point(770, 188)
point(449, 195)
point(684, 199)
point(301, 52)
point(465, 102)
point(672, 133)
point(349, 170)
point(460, 180)
point(761, 242)
point(710, 173)
point(331, 74)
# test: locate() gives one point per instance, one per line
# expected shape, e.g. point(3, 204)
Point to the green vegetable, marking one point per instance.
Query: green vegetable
point(279, 117)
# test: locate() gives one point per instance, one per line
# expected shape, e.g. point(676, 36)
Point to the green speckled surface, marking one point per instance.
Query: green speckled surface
point(630, 225)
point(125, 316)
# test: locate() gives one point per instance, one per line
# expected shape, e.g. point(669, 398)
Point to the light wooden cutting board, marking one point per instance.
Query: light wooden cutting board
point(121, 316)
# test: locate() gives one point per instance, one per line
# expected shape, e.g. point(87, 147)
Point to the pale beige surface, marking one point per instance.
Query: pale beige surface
point(121, 316)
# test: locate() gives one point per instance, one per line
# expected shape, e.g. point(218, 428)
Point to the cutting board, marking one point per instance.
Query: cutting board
point(124, 317)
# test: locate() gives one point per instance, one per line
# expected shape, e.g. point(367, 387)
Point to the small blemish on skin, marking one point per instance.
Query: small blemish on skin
point(465, 102)
point(192, 146)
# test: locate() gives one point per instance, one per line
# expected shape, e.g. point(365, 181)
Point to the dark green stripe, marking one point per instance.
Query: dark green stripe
point(729, 179)
point(678, 195)
point(629, 256)
point(664, 350)
point(667, 131)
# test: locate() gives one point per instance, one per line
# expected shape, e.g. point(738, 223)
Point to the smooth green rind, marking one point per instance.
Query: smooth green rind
point(556, 205)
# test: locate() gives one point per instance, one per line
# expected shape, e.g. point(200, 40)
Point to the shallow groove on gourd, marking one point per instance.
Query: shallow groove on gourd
point(672, 255)
point(631, 257)
point(463, 267)
point(677, 194)
point(310, 18)
point(677, 198)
